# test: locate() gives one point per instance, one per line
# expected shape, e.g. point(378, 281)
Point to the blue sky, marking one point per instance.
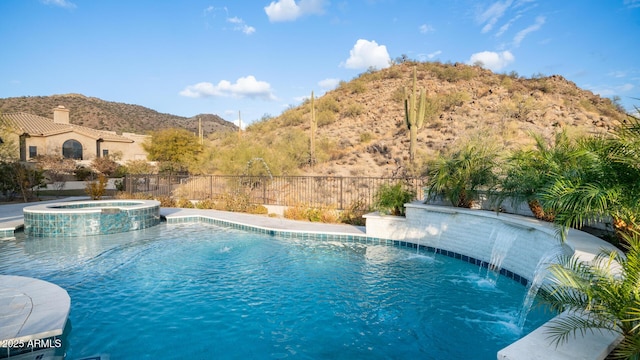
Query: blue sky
point(259, 57)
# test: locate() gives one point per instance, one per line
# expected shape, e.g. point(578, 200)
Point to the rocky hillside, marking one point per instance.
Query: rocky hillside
point(106, 115)
point(362, 125)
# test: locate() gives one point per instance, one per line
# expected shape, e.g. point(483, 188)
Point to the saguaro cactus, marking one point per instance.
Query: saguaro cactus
point(414, 109)
point(312, 137)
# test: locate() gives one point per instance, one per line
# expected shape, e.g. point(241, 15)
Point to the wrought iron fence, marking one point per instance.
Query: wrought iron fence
point(338, 192)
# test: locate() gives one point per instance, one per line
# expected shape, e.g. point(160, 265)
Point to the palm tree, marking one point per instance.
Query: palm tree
point(602, 184)
point(598, 296)
point(458, 177)
point(529, 171)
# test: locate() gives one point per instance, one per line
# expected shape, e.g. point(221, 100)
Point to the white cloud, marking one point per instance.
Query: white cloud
point(366, 54)
point(609, 91)
point(289, 10)
point(244, 87)
point(540, 20)
point(424, 28)
point(434, 54)
point(329, 83)
point(491, 16)
point(492, 60)
point(241, 26)
point(506, 26)
point(617, 74)
point(632, 3)
point(60, 3)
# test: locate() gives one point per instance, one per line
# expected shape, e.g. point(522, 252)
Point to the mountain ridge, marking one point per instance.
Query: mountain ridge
point(100, 114)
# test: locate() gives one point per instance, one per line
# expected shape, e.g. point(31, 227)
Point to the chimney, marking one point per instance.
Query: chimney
point(61, 115)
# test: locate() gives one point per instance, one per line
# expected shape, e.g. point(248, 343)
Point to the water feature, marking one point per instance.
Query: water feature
point(246, 295)
point(504, 237)
point(540, 273)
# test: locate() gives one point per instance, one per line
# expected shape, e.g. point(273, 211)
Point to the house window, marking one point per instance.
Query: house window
point(72, 149)
point(33, 152)
point(105, 152)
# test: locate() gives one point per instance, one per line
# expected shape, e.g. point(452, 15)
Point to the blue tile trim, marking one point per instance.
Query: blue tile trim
point(368, 240)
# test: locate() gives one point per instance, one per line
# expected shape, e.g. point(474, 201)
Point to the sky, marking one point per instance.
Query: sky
point(254, 58)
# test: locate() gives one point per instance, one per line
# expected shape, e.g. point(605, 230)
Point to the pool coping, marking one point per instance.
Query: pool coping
point(32, 309)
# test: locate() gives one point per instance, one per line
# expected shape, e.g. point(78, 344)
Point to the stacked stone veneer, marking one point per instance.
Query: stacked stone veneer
point(90, 218)
point(471, 233)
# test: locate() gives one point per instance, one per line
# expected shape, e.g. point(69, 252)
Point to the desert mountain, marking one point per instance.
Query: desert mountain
point(361, 123)
point(361, 129)
point(113, 116)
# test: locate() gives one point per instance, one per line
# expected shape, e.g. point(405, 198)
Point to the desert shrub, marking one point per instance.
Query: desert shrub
point(353, 213)
point(296, 212)
point(393, 72)
point(166, 201)
point(357, 87)
point(292, 117)
point(390, 199)
point(452, 73)
point(257, 209)
point(314, 214)
point(449, 101)
point(96, 188)
point(104, 165)
point(328, 103)
point(365, 137)
point(397, 96)
point(325, 117)
point(353, 110)
point(235, 201)
point(206, 204)
point(136, 196)
point(184, 203)
point(82, 173)
point(139, 167)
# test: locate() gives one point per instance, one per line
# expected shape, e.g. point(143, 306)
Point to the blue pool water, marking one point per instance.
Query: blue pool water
point(202, 292)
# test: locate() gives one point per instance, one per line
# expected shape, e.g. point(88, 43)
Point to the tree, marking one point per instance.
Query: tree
point(139, 167)
point(8, 147)
point(602, 184)
point(529, 171)
point(459, 176)
point(105, 165)
point(601, 295)
point(175, 149)
point(20, 179)
point(57, 168)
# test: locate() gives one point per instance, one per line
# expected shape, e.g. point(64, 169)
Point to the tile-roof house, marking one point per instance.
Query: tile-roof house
point(37, 135)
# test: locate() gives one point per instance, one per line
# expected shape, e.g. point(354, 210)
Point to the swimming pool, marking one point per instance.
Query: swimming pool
point(202, 291)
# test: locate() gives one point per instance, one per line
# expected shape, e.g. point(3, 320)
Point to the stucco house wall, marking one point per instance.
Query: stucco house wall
point(35, 135)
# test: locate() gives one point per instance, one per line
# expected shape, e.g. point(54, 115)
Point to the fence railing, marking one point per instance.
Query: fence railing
point(338, 192)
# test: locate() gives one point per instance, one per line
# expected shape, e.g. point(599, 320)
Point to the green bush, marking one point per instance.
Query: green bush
point(390, 199)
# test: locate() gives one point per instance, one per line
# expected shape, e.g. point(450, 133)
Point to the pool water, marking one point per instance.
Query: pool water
point(202, 291)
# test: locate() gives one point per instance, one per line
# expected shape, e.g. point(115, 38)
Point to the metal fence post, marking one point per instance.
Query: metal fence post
point(341, 194)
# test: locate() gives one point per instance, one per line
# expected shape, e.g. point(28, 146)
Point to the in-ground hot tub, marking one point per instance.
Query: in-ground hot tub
point(94, 217)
